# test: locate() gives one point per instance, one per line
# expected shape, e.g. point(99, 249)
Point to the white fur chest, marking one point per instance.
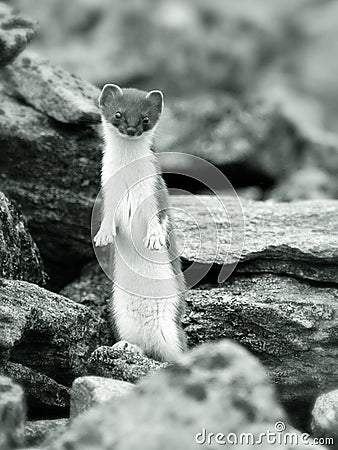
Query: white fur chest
point(129, 174)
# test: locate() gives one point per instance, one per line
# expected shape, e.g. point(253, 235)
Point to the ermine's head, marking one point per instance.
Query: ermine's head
point(131, 112)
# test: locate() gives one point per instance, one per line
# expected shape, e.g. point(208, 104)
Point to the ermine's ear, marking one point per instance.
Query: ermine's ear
point(156, 98)
point(109, 91)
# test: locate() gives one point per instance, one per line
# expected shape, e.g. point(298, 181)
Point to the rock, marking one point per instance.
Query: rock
point(43, 393)
point(290, 325)
point(299, 238)
point(254, 143)
point(325, 417)
point(60, 156)
point(48, 334)
point(122, 363)
point(322, 151)
point(90, 391)
point(306, 184)
point(248, 141)
point(12, 414)
point(15, 34)
point(37, 431)
point(59, 220)
point(52, 171)
point(209, 384)
point(51, 90)
point(93, 289)
point(20, 257)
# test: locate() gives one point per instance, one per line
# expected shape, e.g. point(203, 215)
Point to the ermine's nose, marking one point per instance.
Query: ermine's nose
point(131, 131)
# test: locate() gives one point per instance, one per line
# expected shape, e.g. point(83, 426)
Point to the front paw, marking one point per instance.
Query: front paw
point(155, 239)
point(104, 237)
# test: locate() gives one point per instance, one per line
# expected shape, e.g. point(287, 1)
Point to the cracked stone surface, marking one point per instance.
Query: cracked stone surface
point(299, 238)
point(45, 342)
point(19, 256)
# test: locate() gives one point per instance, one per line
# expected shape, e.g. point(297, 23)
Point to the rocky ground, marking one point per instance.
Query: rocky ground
point(264, 343)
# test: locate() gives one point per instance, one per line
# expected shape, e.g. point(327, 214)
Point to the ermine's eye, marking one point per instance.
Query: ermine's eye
point(118, 115)
point(145, 119)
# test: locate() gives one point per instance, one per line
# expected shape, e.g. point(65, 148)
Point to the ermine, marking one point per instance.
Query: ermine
point(148, 290)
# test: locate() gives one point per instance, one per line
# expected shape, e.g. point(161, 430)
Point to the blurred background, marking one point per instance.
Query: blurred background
point(251, 85)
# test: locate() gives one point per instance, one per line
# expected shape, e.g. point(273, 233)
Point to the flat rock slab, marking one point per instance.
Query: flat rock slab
point(90, 391)
point(19, 256)
point(15, 33)
point(299, 238)
point(52, 90)
point(48, 334)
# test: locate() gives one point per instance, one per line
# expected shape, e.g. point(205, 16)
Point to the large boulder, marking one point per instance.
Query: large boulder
point(19, 256)
point(297, 238)
point(45, 342)
point(52, 171)
point(253, 142)
point(291, 238)
point(290, 325)
point(218, 387)
point(35, 149)
point(15, 33)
